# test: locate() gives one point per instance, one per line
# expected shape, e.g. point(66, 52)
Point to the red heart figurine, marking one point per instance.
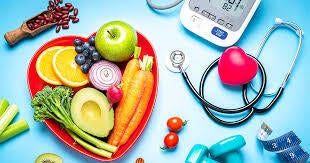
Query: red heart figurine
point(235, 67)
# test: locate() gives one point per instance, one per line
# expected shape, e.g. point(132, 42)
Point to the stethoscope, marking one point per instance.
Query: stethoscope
point(177, 59)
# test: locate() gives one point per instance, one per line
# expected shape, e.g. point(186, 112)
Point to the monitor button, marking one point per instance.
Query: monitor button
point(205, 13)
point(228, 26)
point(218, 32)
point(220, 21)
point(212, 17)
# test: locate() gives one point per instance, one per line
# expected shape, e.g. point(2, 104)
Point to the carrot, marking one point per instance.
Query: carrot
point(140, 110)
point(132, 100)
point(131, 68)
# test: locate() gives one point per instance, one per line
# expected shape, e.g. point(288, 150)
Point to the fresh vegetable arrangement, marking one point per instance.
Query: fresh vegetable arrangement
point(55, 104)
point(86, 111)
point(7, 113)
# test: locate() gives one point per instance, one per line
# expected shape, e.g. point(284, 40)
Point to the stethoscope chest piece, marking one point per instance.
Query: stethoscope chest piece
point(175, 59)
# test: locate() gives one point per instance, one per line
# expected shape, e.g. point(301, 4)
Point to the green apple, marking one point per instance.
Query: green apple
point(116, 41)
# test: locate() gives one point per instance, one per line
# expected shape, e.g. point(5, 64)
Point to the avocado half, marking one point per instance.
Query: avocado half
point(91, 112)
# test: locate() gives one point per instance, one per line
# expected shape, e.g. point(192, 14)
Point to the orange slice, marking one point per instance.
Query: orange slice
point(66, 69)
point(44, 66)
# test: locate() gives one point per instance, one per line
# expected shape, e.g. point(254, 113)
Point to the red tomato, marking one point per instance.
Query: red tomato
point(175, 123)
point(171, 140)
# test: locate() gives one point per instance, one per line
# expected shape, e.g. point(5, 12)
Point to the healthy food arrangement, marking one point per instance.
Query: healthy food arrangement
point(99, 91)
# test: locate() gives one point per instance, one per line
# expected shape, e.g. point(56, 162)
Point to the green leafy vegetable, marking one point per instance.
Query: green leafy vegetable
point(55, 104)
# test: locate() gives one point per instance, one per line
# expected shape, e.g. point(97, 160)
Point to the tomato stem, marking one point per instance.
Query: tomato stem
point(185, 122)
point(164, 148)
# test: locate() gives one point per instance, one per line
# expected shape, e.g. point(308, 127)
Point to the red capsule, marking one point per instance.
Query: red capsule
point(72, 17)
point(65, 26)
point(57, 28)
point(51, 3)
point(56, 2)
point(49, 19)
point(66, 19)
point(59, 22)
point(75, 20)
point(64, 22)
point(76, 11)
point(58, 9)
point(59, 13)
point(68, 4)
point(64, 16)
point(36, 26)
point(64, 8)
point(41, 17)
point(71, 8)
point(29, 25)
point(65, 12)
point(56, 16)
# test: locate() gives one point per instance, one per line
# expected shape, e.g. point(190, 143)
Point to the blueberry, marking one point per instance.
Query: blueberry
point(80, 59)
point(79, 49)
point(91, 49)
point(92, 40)
point(95, 56)
point(90, 62)
point(85, 68)
point(86, 53)
point(77, 42)
point(86, 45)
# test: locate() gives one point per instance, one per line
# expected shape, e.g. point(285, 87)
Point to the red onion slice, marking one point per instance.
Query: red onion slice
point(103, 74)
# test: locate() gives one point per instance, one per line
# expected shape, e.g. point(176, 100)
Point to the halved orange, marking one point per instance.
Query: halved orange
point(44, 66)
point(66, 69)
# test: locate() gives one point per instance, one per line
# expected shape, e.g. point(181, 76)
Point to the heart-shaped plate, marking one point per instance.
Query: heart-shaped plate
point(36, 84)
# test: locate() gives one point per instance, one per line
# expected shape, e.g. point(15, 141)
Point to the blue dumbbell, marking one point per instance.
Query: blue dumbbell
point(199, 154)
point(226, 149)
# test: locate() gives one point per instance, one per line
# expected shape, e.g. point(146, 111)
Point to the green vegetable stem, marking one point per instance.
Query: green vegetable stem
point(14, 129)
point(89, 147)
point(3, 105)
point(55, 104)
point(7, 117)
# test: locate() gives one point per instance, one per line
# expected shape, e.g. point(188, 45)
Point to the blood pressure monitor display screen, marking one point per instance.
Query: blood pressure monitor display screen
point(231, 7)
point(230, 14)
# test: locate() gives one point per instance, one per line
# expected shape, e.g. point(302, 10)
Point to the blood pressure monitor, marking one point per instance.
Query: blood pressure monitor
point(221, 22)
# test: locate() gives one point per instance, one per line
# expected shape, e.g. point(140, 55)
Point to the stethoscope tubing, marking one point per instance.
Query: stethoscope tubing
point(208, 106)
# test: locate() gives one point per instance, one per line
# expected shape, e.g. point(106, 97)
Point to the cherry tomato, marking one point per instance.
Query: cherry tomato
point(175, 123)
point(171, 140)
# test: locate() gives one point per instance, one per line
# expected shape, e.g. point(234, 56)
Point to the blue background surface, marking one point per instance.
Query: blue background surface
point(165, 32)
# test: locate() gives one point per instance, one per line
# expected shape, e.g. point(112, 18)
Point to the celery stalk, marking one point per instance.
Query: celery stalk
point(14, 129)
point(7, 117)
point(100, 152)
point(3, 105)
